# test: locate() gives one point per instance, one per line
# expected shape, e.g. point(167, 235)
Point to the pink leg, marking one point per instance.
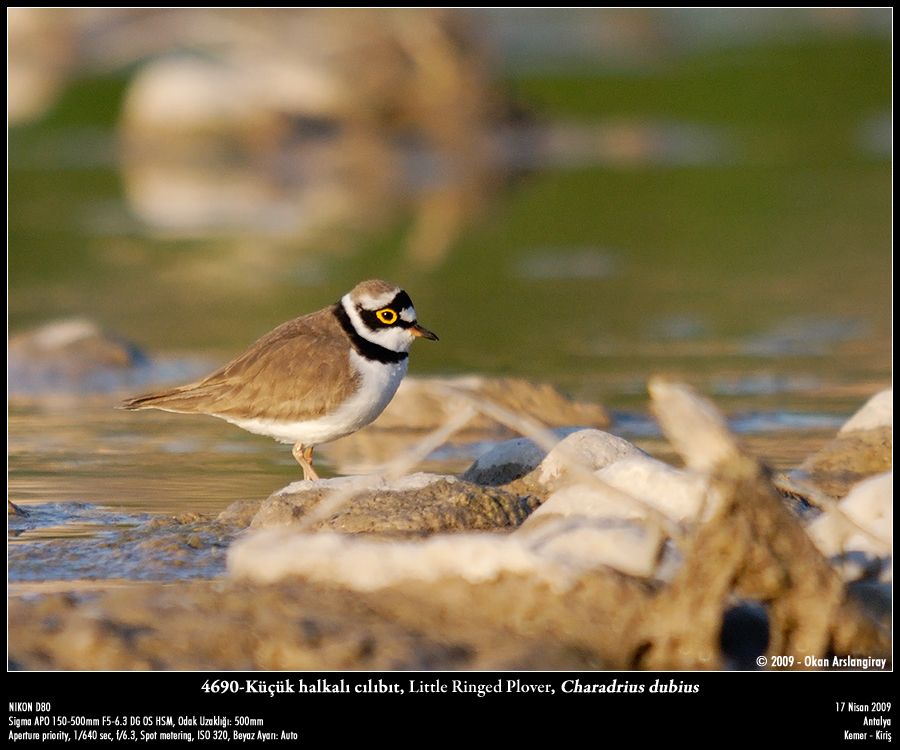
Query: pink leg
point(304, 456)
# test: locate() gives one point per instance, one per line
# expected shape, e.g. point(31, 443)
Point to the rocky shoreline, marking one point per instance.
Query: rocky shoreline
point(566, 549)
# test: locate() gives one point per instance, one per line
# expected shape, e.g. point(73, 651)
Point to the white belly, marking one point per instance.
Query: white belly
point(378, 384)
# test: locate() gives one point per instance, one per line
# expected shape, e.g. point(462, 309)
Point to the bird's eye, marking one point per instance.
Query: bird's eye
point(387, 316)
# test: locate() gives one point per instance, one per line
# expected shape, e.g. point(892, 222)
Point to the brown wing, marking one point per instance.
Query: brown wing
point(298, 371)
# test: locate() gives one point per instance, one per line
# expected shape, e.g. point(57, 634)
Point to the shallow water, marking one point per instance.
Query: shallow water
point(155, 462)
point(761, 273)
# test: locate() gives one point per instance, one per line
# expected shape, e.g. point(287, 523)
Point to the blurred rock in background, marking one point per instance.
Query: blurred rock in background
point(282, 122)
point(281, 125)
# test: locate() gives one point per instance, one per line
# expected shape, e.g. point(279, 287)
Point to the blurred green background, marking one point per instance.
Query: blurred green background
point(579, 196)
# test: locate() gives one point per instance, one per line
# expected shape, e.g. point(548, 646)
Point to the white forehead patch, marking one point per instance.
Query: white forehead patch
point(408, 314)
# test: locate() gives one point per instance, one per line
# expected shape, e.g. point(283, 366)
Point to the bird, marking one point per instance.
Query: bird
point(313, 379)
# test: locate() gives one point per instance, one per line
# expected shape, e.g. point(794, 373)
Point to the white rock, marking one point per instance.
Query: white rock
point(585, 501)
point(632, 488)
point(188, 92)
point(584, 543)
point(368, 565)
point(869, 504)
point(62, 333)
point(878, 411)
point(678, 494)
point(590, 449)
point(557, 552)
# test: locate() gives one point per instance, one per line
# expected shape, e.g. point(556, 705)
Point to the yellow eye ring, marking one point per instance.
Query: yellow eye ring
point(387, 316)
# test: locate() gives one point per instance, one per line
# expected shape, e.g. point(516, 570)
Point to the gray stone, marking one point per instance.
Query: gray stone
point(415, 505)
point(509, 460)
point(72, 355)
point(845, 460)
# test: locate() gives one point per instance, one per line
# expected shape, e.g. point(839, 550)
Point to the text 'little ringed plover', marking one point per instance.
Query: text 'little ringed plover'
point(313, 379)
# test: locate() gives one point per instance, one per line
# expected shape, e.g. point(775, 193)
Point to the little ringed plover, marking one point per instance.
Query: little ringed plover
point(313, 379)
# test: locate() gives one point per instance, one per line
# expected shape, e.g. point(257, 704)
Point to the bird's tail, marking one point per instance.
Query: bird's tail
point(185, 399)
